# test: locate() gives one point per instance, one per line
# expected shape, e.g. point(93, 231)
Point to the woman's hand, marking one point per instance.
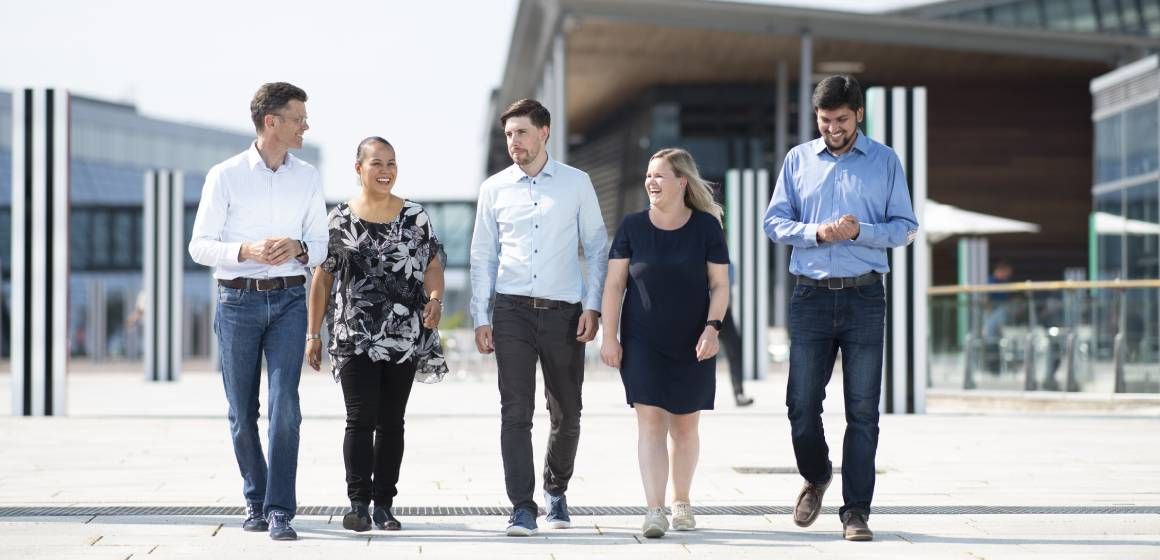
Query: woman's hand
point(432, 312)
point(707, 345)
point(314, 353)
point(610, 352)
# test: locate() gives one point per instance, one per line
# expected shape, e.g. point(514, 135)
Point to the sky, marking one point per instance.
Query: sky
point(418, 73)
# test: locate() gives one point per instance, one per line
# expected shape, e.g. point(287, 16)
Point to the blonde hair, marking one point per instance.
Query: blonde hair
point(698, 195)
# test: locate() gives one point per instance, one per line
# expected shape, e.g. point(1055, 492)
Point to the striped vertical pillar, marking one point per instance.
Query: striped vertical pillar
point(897, 118)
point(164, 268)
point(40, 191)
point(746, 194)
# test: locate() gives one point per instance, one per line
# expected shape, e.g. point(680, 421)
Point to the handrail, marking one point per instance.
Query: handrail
point(1040, 286)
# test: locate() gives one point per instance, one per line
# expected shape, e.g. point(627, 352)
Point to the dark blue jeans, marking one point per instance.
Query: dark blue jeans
point(250, 324)
point(821, 322)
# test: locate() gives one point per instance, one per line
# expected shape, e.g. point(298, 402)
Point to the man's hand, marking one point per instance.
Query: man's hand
point(281, 249)
point(483, 340)
point(845, 228)
point(586, 328)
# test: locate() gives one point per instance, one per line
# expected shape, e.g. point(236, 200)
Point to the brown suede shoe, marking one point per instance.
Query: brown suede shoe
point(809, 503)
point(854, 527)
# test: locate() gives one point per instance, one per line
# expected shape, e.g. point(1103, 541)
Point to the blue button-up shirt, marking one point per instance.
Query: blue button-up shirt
point(817, 187)
point(527, 231)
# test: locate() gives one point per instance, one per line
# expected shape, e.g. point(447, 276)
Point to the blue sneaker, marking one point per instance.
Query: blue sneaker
point(522, 523)
point(280, 529)
point(557, 516)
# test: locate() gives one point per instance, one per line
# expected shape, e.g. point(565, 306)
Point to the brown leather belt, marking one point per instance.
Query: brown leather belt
point(842, 283)
point(535, 303)
point(263, 284)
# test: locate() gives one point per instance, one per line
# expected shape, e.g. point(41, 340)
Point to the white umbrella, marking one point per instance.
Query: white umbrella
point(943, 220)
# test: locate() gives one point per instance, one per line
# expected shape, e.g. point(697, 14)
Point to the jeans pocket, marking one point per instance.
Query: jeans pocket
point(229, 296)
point(875, 291)
point(802, 291)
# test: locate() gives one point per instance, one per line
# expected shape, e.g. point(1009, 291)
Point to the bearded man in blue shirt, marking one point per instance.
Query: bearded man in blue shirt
point(532, 302)
point(841, 201)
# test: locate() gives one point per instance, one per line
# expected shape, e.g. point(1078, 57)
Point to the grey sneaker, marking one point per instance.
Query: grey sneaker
point(855, 527)
point(809, 503)
point(683, 519)
point(280, 529)
point(557, 516)
point(522, 523)
point(655, 523)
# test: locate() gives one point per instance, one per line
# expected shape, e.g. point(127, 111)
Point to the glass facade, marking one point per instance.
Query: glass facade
point(111, 148)
point(1132, 17)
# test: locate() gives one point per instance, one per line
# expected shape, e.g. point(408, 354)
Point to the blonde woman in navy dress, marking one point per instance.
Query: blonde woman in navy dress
point(672, 261)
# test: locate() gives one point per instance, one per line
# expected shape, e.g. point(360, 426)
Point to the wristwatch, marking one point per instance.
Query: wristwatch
point(715, 323)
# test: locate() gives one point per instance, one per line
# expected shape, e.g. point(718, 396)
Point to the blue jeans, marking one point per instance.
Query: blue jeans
point(249, 324)
point(821, 322)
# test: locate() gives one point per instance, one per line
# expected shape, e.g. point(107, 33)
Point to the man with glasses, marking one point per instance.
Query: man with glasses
point(261, 223)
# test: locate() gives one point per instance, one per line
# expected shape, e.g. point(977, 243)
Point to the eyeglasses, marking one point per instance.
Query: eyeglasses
point(300, 121)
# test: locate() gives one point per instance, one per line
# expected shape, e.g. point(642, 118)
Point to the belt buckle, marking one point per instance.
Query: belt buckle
point(834, 286)
point(272, 282)
point(536, 303)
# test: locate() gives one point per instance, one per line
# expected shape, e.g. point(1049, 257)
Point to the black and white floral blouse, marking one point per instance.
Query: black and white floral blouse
point(378, 290)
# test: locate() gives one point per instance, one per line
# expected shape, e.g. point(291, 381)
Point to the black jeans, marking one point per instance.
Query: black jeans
point(821, 322)
point(523, 334)
point(376, 396)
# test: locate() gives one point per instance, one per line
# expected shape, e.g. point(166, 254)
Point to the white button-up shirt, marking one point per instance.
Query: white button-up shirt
point(527, 232)
point(244, 201)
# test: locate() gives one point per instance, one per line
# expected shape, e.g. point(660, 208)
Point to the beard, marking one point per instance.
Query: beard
point(839, 147)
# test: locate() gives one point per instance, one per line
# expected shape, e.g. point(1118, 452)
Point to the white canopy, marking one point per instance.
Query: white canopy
point(943, 220)
point(1112, 224)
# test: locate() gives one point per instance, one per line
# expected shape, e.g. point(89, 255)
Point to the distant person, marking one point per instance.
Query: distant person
point(386, 265)
point(731, 344)
point(672, 261)
point(530, 219)
point(841, 201)
point(261, 223)
point(997, 315)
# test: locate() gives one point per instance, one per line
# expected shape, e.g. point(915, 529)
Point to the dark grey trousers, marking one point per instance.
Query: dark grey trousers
point(525, 331)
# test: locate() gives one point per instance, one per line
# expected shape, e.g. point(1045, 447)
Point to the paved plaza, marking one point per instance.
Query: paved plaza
point(140, 470)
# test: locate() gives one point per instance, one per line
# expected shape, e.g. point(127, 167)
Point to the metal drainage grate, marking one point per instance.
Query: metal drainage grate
point(837, 469)
point(478, 511)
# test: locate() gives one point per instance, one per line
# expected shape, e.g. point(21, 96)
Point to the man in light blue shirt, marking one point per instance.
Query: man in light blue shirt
point(530, 220)
point(841, 200)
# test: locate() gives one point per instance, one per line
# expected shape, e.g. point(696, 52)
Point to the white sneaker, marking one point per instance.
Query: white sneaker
point(683, 519)
point(655, 523)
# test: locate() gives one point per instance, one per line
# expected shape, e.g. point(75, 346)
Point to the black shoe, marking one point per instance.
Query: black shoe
point(742, 400)
point(254, 521)
point(358, 519)
point(855, 527)
point(384, 519)
point(280, 529)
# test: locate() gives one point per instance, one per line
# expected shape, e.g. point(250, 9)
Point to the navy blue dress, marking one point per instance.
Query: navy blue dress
point(665, 310)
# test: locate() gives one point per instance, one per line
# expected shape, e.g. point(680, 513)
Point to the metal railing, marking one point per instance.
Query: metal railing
point(1078, 336)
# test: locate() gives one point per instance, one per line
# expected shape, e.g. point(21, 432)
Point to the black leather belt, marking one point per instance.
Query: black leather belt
point(841, 283)
point(263, 284)
point(535, 303)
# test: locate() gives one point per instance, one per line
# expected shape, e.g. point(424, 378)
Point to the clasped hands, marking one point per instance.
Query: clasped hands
point(845, 228)
point(272, 250)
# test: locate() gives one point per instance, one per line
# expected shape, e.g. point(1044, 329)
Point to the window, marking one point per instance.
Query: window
point(1109, 149)
point(1142, 139)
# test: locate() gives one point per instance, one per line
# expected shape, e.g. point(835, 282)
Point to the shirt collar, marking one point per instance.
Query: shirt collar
point(254, 158)
point(549, 170)
point(861, 144)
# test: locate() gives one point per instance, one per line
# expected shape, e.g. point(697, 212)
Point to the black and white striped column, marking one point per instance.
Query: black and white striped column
point(164, 267)
point(897, 117)
point(746, 197)
point(40, 192)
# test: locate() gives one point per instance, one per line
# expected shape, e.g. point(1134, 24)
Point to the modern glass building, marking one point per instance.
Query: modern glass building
point(112, 145)
point(1133, 17)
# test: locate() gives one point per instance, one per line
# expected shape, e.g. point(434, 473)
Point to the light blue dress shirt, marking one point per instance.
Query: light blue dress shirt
point(816, 187)
point(527, 232)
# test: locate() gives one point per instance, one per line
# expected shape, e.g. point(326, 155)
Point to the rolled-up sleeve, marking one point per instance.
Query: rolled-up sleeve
point(594, 238)
point(484, 258)
point(782, 218)
point(900, 225)
point(205, 244)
